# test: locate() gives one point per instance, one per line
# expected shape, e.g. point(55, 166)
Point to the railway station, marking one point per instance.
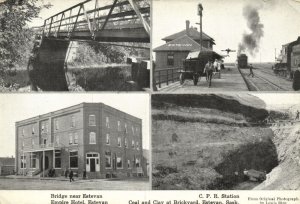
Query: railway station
point(248, 63)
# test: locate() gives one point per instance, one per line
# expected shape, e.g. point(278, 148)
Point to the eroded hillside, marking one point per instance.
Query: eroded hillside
point(207, 141)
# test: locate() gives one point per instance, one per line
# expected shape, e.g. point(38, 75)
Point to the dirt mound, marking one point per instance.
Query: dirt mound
point(248, 105)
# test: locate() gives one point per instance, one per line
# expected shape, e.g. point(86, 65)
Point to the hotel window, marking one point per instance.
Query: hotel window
point(23, 132)
point(107, 139)
point(170, 59)
point(137, 162)
point(126, 144)
point(137, 146)
point(23, 162)
point(33, 130)
point(107, 159)
point(57, 159)
point(119, 126)
point(125, 125)
point(107, 122)
point(92, 138)
point(43, 127)
point(56, 124)
point(57, 140)
point(92, 120)
point(119, 142)
point(23, 144)
point(72, 121)
point(132, 130)
point(74, 159)
point(70, 138)
point(33, 161)
point(137, 130)
point(132, 144)
point(128, 164)
point(32, 142)
point(119, 162)
point(46, 127)
point(75, 138)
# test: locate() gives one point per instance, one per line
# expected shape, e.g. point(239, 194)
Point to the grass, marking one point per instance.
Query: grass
point(19, 77)
point(102, 79)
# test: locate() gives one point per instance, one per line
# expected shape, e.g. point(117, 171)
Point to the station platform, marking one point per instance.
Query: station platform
point(231, 80)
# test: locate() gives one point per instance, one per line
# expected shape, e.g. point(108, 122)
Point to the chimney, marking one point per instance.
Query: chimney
point(187, 29)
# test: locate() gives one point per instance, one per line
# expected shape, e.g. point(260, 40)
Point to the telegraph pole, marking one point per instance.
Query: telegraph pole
point(200, 9)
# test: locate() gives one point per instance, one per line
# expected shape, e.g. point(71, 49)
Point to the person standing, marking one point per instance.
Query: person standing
point(209, 72)
point(66, 173)
point(251, 70)
point(216, 65)
point(84, 174)
point(71, 176)
point(297, 115)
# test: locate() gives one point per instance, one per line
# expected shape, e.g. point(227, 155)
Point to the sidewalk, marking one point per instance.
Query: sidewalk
point(231, 80)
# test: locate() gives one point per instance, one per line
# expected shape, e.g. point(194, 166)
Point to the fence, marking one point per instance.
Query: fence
point(166, 75)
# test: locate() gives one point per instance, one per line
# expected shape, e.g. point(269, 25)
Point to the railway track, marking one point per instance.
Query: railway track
point(265, 80)
point(277, 87)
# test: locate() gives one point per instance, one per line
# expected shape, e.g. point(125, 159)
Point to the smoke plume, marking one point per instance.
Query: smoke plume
point(251, 40)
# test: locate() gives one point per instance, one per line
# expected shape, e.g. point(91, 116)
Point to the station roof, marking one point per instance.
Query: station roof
point(183, 43)
point(192, 33)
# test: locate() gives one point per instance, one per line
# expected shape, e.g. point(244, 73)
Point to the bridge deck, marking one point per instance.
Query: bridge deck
point(121, 21)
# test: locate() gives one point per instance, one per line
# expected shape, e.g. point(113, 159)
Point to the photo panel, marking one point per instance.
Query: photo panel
point(225, 141)
point(75, 45)
point(216, 46)
point(79, 142)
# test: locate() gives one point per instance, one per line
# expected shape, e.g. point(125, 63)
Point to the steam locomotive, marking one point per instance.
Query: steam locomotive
point(288, 60)
point(242, 61)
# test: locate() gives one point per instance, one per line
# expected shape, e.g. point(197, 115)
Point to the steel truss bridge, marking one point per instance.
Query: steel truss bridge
point(115, 22)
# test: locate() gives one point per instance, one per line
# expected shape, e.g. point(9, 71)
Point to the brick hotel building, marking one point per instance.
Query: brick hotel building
point(94, 137)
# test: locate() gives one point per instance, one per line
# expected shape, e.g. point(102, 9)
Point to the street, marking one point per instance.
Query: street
point(95, 184)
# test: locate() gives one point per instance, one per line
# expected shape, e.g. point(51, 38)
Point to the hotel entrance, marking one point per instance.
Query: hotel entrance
point(92, 162)
point(46, 162)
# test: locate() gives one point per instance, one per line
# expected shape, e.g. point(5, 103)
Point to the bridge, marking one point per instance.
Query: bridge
point(121, 21)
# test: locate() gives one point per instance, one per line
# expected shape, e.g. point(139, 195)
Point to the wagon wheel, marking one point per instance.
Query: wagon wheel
point(181, 78)
point(195, 79)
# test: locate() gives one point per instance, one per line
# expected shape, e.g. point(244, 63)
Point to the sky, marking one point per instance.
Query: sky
point(16, 107)
point(61, 5)
point(279, 101)
point(223, 20)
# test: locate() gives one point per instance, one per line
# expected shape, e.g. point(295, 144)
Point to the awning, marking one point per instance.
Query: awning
point(42, 149)
point(205, 53)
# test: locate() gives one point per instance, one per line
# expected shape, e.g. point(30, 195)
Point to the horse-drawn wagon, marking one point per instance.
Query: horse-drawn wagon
point(194, 64)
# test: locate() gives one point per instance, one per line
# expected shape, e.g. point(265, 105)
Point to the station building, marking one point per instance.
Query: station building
point(102, 140)
point(179, 45)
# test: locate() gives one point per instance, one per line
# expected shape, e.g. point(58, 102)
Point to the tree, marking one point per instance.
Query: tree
point(15, 37)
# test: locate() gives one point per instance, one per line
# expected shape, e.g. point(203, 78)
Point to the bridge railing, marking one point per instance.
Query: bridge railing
point(166, 75)
point(90, 17)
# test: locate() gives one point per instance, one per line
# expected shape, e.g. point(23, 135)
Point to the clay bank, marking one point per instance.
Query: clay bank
point(222, 142)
